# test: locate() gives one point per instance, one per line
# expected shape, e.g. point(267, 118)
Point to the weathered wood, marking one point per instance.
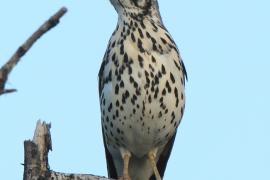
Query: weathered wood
point(36, 163)
point(6, 69)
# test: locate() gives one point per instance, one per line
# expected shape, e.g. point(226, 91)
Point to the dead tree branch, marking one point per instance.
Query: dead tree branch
point(7, 68)
point(36, 164)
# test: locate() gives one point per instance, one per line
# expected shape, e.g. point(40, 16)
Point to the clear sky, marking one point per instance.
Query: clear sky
point(225, 44)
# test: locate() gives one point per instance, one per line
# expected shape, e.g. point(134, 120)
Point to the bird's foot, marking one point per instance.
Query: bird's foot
point(152, 158)
point(124, 178)
point(126, 156)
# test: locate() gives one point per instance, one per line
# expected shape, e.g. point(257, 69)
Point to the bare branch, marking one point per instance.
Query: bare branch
point(6, 91)
point(36, 164)
point(7, 68)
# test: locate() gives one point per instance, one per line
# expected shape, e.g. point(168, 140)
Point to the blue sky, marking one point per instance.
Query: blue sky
point(225, 46)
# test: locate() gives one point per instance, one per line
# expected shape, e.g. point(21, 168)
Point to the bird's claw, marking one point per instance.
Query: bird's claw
point(124, 178)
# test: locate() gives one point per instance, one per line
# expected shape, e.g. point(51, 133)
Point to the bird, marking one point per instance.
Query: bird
point(141, 93)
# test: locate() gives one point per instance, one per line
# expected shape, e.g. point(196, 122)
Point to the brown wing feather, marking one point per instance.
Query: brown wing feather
point(164, 157)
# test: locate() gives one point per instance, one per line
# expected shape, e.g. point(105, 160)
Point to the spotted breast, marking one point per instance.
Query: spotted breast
point(141, 84)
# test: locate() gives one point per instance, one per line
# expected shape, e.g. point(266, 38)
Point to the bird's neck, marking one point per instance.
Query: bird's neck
point(151, 14)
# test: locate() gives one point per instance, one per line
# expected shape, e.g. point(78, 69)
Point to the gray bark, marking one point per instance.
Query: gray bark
point(36, 164)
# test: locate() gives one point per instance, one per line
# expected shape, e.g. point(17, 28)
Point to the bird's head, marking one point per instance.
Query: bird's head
point(137, 8)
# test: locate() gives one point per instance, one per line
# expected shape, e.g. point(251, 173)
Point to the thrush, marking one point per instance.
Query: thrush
point(141, 89)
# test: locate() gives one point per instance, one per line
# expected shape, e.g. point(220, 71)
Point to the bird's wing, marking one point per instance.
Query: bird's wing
point(100, 78)
point(109, 160)
point(164, 157)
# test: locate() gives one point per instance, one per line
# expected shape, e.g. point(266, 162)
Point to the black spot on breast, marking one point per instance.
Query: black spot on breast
point(176, 96)
point(156, 92)
point(132, 37)
point(113, 44)
point(128, 32)
point(164, 92)
point(172, 78)
point(118, 78)
point(121, 108)
point(168, 86)
point(129, 70)
point(135, 84)
point(163, 70)
point(117, 103)
point(152, 69)
point(131, 79)
point(125, 58)
point(140, 61)
point(133, 99)
point(177, 65)
point(173, 116)
point(160, 114)
point(166, 111)
point(156, 80)
point(141, 33)
point(153, 59)
point(116, 89)
point(148, 35)
point(169, 37)
point(138, 91)
point(125, 95)
point(150, 98)
point(155, 28)
point(140, 46)
point(163, 40)
point(117, 113)
point(122, 84)
point(142, 25)
point(182, 110)
point(122, 50)
point(159, 74)
point(113, 57)
point(110, 107)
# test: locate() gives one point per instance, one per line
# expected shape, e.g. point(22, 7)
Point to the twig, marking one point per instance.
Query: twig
point(36, 164)
point(7, 68)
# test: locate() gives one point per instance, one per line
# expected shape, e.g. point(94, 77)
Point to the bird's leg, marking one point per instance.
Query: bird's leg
point(125, 156)
point(152, 157)
point(125, 169)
